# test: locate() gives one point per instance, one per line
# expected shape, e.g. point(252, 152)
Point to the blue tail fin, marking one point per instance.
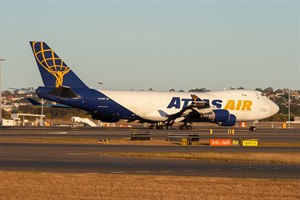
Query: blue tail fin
point(54, 71)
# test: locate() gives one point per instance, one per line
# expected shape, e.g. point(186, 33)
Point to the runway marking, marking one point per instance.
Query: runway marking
point(118, 172)
point(142, 172)
point(190, 170)
point(167, 171)
point(236, 168)
point(59, 133)
point(214, 169)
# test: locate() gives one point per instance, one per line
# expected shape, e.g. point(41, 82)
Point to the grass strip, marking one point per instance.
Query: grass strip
point(129, 142)
point(50, 140)
point(69, 186)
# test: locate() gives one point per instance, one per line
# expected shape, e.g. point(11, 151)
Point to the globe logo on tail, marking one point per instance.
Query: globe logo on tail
point(50, 62)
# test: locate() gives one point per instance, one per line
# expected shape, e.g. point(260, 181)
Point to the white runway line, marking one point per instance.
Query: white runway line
point(58, 133)
point(236, 168)
point(167, 171)
point(142, 172)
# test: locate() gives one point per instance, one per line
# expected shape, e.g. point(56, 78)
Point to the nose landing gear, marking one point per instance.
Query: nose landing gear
point(252, 128)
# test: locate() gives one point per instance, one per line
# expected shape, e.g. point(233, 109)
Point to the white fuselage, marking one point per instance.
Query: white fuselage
point(246, 105)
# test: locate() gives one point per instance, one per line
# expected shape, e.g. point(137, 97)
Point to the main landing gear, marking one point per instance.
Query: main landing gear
point(184, 126)
point(158, 126)
point(187, 127)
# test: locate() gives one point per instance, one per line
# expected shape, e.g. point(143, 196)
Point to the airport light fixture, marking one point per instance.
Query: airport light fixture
point(289, 109)
point(42, 113)
point(1, 59)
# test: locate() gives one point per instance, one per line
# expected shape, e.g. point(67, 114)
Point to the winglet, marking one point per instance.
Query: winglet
point(197, 102)
point(195, 98)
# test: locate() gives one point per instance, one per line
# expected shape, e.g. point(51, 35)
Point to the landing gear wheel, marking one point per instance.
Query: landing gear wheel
point(252, 128)
point(152, 126)
point(185, 127)
point(160, 127)
point(155, 126)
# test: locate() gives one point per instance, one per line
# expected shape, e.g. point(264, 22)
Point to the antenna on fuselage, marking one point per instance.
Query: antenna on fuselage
point(100, 83)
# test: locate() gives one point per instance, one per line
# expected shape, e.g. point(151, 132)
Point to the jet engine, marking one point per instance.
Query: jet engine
point(230, 122)
point(216, 116)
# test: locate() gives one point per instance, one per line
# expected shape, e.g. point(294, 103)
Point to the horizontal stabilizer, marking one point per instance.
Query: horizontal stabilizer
point(34, 102)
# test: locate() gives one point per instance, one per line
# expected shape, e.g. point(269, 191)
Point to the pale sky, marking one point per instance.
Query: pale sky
point(142, 44)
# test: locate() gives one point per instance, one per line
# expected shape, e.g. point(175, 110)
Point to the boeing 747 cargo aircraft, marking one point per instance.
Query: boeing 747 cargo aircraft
point(160, 109)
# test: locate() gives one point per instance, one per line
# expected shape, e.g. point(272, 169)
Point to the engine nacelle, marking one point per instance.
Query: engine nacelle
point(230, 122)
point(216, 116)
point(221, 115)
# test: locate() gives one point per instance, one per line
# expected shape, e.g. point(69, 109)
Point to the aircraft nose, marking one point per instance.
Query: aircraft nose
point(274, 108)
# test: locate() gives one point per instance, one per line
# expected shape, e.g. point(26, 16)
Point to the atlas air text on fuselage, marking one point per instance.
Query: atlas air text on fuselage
point(245, 105)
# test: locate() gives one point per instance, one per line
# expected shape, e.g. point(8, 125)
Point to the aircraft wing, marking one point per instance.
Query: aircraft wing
point(197, 106)
point(200, 110)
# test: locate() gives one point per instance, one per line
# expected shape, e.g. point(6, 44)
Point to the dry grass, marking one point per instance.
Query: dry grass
point(127, 141)
point(279, 144)
point(253, 157)
point(50, 140)
point(29, 185)
point(85, 141)
point(64, 139)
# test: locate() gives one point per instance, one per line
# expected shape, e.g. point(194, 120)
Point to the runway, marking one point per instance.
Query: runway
point(88, 158)
point(71, 158)
point(267, 135)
